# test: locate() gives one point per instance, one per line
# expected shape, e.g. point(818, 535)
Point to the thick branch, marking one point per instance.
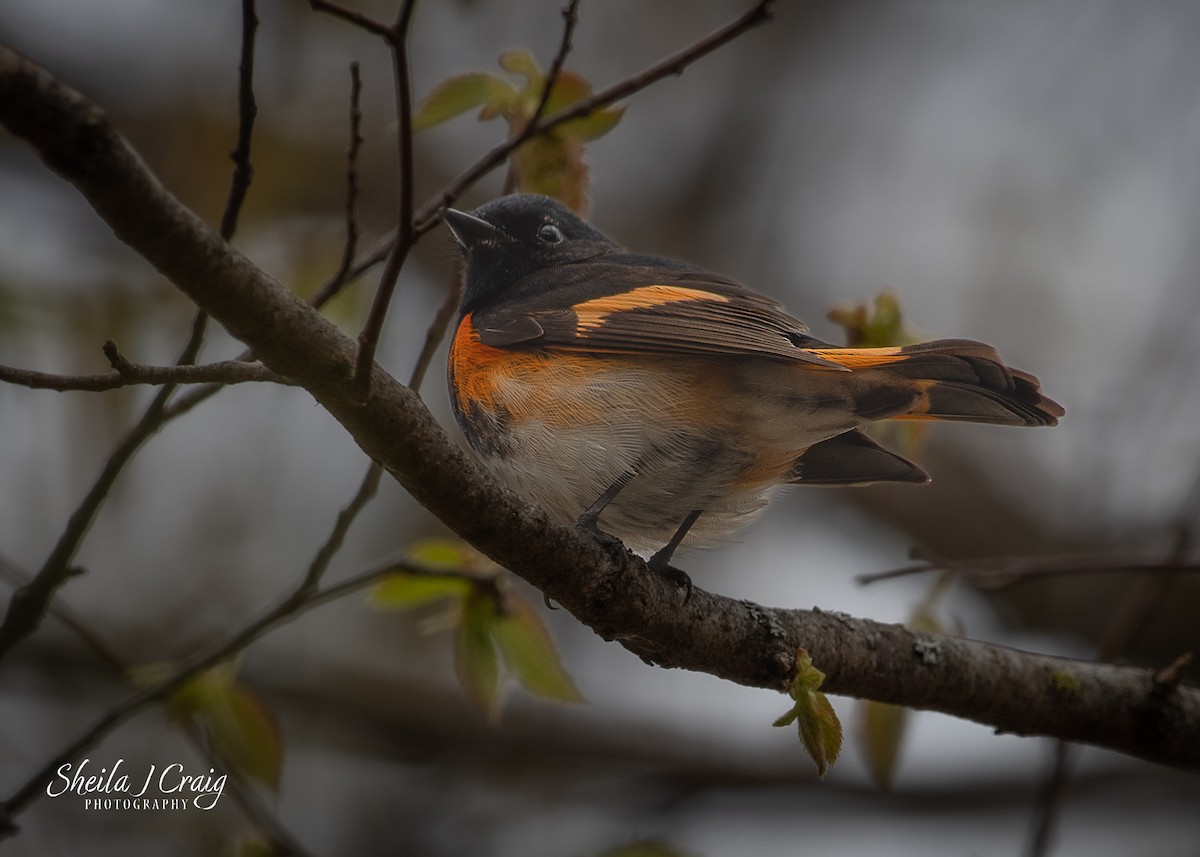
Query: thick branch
point(1118, 707)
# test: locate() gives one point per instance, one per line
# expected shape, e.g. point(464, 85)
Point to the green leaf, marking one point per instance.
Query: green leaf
point(247, 736)
point(568, 88)
point(475, 654)
point(882, 728)
point(520, 61)
point(593, 126)
point(405, 591)
point(529, 653)
point(461, 93)
point(820, 729)
point(553, 166)
point(242, 730)
point(450, 555)
point(874, 326)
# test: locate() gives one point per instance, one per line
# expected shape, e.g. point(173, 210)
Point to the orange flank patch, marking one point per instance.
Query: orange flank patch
point(474, 366)
point(860, 358)
point(591, 314)
point(528, 383)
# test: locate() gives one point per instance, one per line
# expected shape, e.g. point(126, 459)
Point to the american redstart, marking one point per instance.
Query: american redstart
point(652, 401)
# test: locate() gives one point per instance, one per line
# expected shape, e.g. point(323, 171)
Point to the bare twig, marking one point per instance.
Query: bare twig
point(356, 141)
point(131, 374)
point(436, 332)
point(366, 491)
point(368, 339)
point(1012, 571)
point(28, 604)
point(350, 16)
point(1050, 800)
point(243, 170)
point(570, 15)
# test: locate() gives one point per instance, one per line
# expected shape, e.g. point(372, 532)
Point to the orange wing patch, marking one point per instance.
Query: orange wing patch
point(860, 358)
point(591, 314)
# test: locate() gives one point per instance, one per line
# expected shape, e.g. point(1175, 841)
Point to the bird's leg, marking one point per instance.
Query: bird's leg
point(661, 561)
point(588, 521)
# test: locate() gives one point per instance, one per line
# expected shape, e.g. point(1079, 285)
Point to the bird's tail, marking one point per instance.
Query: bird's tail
point(948, 379)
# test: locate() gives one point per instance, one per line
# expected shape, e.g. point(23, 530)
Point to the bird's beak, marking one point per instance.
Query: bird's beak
point(470, 230)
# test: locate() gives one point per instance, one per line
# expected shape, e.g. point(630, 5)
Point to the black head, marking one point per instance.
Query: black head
point(508, 239)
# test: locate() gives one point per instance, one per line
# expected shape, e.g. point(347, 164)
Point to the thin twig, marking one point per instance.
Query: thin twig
point(28, 604)
point(356, 141)
point(243, 170)
point(132, 374)
point(1011, 571)
point(368, 339)
point(570, 15)
point(436, 332)
point(1050, 800)
point(17, 577)
point(366, 490)
point(350, 16)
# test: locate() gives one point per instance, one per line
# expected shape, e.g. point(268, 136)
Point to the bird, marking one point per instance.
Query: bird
point(655, 404)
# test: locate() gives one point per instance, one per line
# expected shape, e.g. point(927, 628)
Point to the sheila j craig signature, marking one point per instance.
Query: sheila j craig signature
point(113, 789)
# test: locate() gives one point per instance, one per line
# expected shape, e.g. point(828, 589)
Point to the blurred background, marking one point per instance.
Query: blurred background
point(1026, 174)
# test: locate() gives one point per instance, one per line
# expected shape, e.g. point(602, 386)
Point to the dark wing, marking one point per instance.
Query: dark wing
point(644, 305)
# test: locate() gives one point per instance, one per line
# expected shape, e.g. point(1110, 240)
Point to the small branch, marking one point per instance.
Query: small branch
point(134, 374)
point(368, 339)
point(363, 22)
point(28, 605)
point(1051, 797)
point(366, 491)
point(243, 170)
point(1012, 571)
point(570, 15)
point(16, 577)
point(436, 332)
point(356, 141)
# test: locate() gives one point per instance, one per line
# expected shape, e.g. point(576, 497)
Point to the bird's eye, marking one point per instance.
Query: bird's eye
point(548, 233)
